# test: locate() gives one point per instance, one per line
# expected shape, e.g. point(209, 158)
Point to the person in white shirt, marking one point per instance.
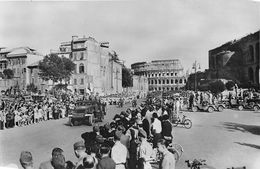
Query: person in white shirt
point(145, 151)
point(156, 129)
point(119, 153)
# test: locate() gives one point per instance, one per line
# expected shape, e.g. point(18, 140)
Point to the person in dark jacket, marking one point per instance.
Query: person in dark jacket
point(166, 129)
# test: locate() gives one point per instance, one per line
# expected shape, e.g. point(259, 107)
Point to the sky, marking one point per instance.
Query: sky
point(138, 30)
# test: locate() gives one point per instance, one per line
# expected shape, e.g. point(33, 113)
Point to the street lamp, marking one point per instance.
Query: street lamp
point(195, 66)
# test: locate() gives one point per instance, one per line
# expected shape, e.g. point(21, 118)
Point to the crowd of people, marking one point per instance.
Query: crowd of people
point(134, 139)
point(21, 112)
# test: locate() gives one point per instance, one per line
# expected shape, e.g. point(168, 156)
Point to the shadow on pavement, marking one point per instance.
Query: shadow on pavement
point(249, 145)
point(242, 127)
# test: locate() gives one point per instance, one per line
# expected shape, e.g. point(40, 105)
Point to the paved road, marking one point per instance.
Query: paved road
point(224, 139)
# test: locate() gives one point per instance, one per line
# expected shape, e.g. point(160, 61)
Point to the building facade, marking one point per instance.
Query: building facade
point(237, 60)
point(140, 84)
point(96, 69)
point(163, 75)
point(17, 60)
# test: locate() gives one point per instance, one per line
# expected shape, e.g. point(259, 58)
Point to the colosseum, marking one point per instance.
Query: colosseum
point(163, 75)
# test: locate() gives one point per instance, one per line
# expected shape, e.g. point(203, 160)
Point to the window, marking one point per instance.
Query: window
point(159, 81)
point(172, 81)
point(163, 74)
point(81, 81)
point(81, 55)
point(171, 74)
point(251, 53)
point(176, 81)
point(167, 74)
point(159, 88)
point(167, 81)
point(151, 81)
point(75, 81)
point(74, 55)
point(185, 81)
point(81, 68)
point(163, 82)
point(159, 74)
point(175, 74)
point(155, 81)
point(180, 81)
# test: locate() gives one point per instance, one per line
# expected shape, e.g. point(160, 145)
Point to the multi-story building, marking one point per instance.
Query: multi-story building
point(97, 69)
point(237, 60)
point(17, 60)
point(163, 75)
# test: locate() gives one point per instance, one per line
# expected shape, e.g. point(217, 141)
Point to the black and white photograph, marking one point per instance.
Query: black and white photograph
point(130, 84)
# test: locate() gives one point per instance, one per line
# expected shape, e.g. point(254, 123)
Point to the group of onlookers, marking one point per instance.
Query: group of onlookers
point(133, 140)
point(21, 113)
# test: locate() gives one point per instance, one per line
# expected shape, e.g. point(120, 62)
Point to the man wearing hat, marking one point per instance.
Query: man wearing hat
point(26, 160)
point(80, 152)
point(145, 151)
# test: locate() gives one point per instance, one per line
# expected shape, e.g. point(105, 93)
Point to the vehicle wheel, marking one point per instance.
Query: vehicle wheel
point(220, 108)
point(240, 108)
point(175, 123)
point(187, 124)
point(210, 109)
point(194, 109)
point(256, 108)
point(251, 104)
point(75, 123)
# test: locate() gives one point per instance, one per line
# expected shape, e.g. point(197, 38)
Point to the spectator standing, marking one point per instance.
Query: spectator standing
point(168, 159)
point(26, 160)
point(80, 152)
point(119, 153)
point(145, 151)
point(106, 162)
point(156, 129)
point(48, 164)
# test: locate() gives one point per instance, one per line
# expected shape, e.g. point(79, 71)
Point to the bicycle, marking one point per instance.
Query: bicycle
point(198, 164)
point(184, 121)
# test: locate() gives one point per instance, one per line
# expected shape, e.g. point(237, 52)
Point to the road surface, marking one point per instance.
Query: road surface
point(224, 139)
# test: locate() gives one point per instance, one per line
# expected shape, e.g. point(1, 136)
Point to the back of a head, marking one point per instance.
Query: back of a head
point(104, 149)
point(58, 161)
point(88, 162)
point(26, 159)
point(155, 115)
point(56, 151)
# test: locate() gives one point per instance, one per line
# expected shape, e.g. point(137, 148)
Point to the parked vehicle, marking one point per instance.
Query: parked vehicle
point(205, 106)
point(242, 104)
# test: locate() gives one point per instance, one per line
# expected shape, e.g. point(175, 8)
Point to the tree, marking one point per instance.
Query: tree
point(127, 78)
point(216, 87)
point(229, 85)
point(8, 73)
point(56, 68)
